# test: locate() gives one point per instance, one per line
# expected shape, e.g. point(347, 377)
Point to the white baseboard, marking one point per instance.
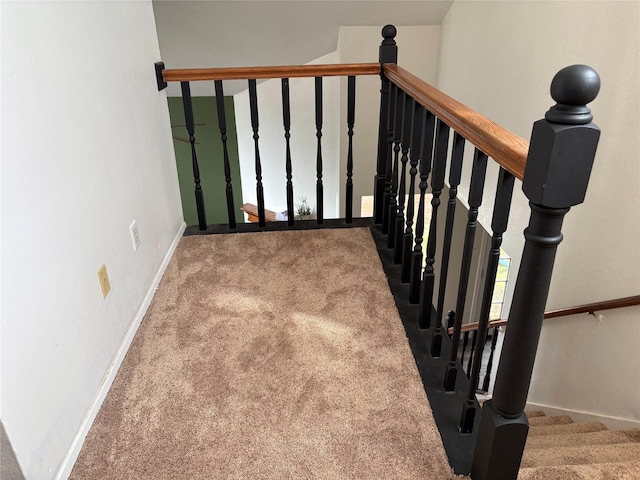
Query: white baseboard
point(74, 450)
point(613, 423)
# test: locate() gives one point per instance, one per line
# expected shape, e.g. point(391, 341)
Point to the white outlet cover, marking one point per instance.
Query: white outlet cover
point(135, 236)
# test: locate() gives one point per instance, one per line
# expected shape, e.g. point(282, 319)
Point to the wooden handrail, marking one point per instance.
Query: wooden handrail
point(595, 307)
point(505, 147)
point(291, 71)
point(562, 312)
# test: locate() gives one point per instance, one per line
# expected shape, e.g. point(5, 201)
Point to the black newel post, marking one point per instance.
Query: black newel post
point(388, 54)
point(561, 155)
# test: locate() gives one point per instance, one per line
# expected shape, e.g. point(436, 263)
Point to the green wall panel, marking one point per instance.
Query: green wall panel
point(210, 159)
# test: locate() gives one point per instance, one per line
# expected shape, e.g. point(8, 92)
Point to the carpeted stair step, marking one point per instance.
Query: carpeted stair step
point(535, 413)
point(544, 421)
point(599, 471)
point(602, 437)
point(582, 455)
point(557, 448)
point(567, 428)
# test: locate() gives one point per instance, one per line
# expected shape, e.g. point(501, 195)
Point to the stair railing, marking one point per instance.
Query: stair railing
point(251, 75)
point(476, 350)
point(554, 168)
point(589, 308)
point(472, 329)
point(416, 123)
point(561, 155)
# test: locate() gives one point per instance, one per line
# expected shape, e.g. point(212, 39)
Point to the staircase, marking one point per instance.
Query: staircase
point(559, 448)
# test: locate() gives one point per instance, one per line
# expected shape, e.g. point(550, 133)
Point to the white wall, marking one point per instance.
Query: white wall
point(481, 244)
point(86, 149)
point(243, 33)
point(499, 58)
point(417, 52)
point(303, 141)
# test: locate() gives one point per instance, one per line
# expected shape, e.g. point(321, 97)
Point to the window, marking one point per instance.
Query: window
point(502, 276)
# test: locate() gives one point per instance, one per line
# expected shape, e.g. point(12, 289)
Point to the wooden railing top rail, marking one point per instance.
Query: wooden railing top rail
point(505, 147)
point(291, 71)
point(595, 307)
point(562, 312)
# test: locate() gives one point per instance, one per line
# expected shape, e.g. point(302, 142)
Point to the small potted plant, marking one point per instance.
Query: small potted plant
point(304, 211)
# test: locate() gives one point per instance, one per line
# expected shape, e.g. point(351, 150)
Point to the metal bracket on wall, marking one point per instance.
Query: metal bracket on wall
point(159, 78)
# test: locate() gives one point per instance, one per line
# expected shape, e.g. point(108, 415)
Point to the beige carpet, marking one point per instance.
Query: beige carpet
point(269, 355)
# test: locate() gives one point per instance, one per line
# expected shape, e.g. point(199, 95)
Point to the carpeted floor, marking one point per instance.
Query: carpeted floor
point(268, 355)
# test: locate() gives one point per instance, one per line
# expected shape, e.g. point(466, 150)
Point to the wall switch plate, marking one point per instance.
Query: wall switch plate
point(103, 278)
point(135, 236)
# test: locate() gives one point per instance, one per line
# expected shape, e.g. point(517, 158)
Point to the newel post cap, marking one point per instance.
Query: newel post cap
point(388, 47)
point(572, 88)
point(563, 145)
point(389, 32)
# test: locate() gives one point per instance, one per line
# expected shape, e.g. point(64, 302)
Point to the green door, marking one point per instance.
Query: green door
point(210, 159)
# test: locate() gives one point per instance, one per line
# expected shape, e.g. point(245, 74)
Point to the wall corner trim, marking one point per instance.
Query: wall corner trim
point(74, 450)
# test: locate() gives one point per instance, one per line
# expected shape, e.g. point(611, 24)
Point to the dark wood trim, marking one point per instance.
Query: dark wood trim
point(594, 307)
point(292, 71)
point(505, 147)
point(562, 312)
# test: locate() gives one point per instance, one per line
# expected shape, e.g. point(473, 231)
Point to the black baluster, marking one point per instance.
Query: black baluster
point(388, 173)
point(393, 199)
point(188, 117)
point(319, 188)
point(388, 53)
point(475, 199)
point(351, 115)
point(451, 320)
point(487, 374)
point(474, 338)
point(407, 240)
point(222, 124)
point(253, 104)
point(501, 208)
point(437, 183)
point(286, 120)
point(407, 116)
point(426, 154)
point(559, 163)
point(455, 174)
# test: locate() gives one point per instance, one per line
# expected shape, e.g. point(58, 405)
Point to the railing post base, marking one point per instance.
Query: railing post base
point(468, 416)
point(436, 343)
point(499, 454)
point(450, 375)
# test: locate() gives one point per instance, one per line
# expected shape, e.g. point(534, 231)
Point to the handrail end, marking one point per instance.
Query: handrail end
point(159, 67)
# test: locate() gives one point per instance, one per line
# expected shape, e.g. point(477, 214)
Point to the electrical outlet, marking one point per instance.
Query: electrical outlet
point(135, 236)
point(103, 278)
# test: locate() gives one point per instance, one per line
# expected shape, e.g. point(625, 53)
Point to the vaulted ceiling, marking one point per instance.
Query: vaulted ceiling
point(264, 32)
